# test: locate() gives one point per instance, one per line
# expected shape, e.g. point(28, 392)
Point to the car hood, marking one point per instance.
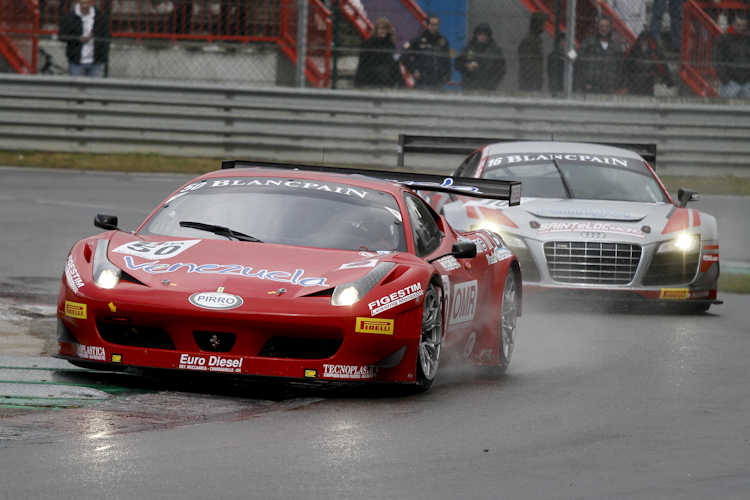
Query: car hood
point(253, 269)
point(548, 219)
point(622, 211)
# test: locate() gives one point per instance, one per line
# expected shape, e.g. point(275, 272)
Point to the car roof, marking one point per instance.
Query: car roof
point(559, 147)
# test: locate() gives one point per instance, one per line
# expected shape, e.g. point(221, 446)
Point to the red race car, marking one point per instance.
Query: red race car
point(313, 273)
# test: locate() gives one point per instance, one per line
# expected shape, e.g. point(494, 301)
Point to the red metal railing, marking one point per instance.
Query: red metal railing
point(19, 23)
point(22, 22)
point(699, 34)
point(586, 15)
point(319, 33)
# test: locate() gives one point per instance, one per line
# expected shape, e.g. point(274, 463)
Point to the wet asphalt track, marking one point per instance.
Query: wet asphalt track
point(596, 404)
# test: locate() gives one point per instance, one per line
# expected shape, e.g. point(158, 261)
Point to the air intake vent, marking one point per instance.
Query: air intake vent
point(592, 263)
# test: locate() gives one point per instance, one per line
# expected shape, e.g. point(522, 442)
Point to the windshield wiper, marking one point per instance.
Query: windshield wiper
point(567, 187)
point(220, 230)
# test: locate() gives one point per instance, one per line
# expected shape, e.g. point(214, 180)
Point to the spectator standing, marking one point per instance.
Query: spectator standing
point(86, 33)
point(631, 12)
point(599, 65)
point(556, 73)
point(427, 57)
point(531, 55)
point(644, 63)
point(675, 21)
point(481, 62)
point(732, 60)
point(378, 61)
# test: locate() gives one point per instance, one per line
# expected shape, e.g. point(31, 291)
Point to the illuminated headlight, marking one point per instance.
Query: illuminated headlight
point(684, 243)
point(106, 274)
point(509, 239)
point(349, 293)
point(513, 241)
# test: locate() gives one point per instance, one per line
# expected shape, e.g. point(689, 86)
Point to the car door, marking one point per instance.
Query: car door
point(462, 280)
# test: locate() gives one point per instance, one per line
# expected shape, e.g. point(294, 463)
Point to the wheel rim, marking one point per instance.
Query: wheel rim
point(431, 340)
point(508, 330)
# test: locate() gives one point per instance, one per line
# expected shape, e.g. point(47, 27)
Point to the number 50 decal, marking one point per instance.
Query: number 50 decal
point(153, 250)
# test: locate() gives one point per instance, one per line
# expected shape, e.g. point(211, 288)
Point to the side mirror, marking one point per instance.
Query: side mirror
point(460, 250)
point(464, 250)
point(685, 195)
point(107, 222)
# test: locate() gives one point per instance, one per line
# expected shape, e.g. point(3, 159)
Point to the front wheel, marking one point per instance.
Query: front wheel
point(431, 338)
point(508, 322)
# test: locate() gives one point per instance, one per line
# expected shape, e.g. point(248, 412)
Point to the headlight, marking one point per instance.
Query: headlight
point(106, 274)
point(513, 241)
point(350, 293)
point(509, 239)
point(683, 243)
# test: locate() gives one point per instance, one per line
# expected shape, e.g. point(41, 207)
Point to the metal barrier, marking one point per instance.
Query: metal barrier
point(699, 136)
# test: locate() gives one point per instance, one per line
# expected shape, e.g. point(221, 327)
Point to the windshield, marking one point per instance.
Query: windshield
point(572, 179)
point(284, 211)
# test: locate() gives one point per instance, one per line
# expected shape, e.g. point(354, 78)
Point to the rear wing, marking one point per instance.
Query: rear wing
point(466, 186)
point(467, 145)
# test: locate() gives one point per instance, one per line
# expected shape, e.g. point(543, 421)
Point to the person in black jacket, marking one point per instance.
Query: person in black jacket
point(428, 58)
point(599, 63)
point(531, 55)
point(481, 62)
point(732, 60)
point(556, 66)
point(378, 61)
point(643, 64)
point(86, 33)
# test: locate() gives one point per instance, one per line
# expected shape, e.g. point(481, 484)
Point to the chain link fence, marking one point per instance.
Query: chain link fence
point(476, 46)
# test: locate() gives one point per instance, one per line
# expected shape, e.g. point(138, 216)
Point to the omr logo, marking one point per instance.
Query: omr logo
point(464, 302)
point(215, 300)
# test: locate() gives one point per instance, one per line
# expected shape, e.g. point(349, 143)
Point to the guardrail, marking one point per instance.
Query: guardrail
point(66, 114)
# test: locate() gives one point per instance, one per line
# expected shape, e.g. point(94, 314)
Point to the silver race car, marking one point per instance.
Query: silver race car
point(595, 222)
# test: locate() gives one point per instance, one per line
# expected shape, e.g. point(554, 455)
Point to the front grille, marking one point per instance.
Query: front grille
point(214, 341)
point(592, 263)
point(300, 348)
point(134, 336)
point(672, 268)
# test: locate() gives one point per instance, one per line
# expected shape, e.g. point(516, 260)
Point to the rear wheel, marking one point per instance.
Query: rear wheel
point(508, 322)
point(431, 338)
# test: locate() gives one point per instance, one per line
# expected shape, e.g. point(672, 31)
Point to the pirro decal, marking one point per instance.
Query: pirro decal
point(294, 278)
point(215, 300)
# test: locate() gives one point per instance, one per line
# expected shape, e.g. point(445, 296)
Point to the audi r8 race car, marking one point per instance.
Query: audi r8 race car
point(312, 273)
point(594, 220)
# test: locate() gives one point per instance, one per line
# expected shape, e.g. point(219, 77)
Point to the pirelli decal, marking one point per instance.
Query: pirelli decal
point(674, 293)
point(75, 309)
point(374, 325)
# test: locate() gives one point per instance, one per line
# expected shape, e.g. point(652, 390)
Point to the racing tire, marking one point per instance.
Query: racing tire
point(508, 319)
point(431, 339)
